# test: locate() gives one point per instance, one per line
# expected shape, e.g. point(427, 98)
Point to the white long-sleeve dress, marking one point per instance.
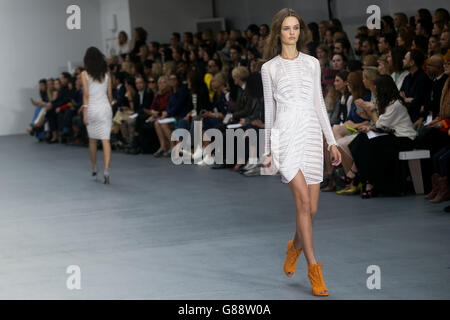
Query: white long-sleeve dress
point(99, 112)
point(295, 117)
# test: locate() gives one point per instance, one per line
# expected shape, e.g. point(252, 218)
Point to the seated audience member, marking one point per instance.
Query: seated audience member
point(434, 46)
point(147, 138)
point(177, 107)
point(214, 118)
point(386, 42)
point(339, 61)
point(346, 132)
point(80, 135)
point(431, 107)
point(416, 87)
point(356, 117)
point(376, 158)
point(328, 90)
point(445, 41)
point(404, 38)
point(440, 188)
point(369, 75)
point(214, 67)
point(119, 90)
point(121, 45)
point(383, 65)
point(142, 102)
point(38, 120)
point(343, 47)
point(198, 101)
point(125, 111)
point(252, 121)
point(434, 135)
point(60, 102)
point(341, 108)
point(370, 60)
point(368, 47)
point(354, 65)
point(395, 58)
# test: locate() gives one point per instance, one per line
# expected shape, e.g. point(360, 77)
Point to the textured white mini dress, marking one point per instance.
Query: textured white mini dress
point(99, 112)
point(295, 117)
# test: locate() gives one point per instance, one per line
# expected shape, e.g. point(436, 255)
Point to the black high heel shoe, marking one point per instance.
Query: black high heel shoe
point(94, 173)
point(106, 179)
point(367, 194)
point(345, 179)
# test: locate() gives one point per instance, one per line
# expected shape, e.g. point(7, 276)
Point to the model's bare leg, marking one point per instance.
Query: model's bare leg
point(302, 199)
point(106, 153)
point(93, 152)
point(314, 200)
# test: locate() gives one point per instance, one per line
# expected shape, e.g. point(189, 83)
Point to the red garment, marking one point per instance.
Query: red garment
point(64, 107)
point(160, 102)
point(445, 125)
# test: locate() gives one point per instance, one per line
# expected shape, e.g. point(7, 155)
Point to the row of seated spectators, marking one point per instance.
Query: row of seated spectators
point(216, 80)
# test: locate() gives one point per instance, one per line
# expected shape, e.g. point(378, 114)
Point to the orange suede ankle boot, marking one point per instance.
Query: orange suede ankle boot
point(316, 278)
point(290, 264)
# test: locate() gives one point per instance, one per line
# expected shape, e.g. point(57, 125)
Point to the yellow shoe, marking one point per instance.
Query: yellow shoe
point(290, 264)
point(316, 278)
point(350, 191)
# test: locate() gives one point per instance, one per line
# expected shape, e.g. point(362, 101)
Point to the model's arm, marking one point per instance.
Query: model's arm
point(110, 96)
point(269, 107)
point(320, 108)
point(84, 84)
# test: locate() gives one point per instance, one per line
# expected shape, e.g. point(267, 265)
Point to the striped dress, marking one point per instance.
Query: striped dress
point(99, 112)
point(295, 117)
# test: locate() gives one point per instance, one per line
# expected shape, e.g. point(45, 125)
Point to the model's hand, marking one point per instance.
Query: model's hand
point(335, 155)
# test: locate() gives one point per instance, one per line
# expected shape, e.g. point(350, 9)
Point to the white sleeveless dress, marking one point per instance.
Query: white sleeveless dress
point(99, 112)
point(295, 117)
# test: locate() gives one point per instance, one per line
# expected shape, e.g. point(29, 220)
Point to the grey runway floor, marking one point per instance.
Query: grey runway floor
point(162, 231)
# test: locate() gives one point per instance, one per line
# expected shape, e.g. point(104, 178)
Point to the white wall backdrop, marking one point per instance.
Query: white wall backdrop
point(37, 44)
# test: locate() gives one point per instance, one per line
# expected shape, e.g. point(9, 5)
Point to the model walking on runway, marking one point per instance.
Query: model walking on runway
point(295, 117)
point(97, 110)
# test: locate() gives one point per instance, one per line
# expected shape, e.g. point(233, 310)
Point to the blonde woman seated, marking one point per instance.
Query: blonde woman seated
point(177, 107)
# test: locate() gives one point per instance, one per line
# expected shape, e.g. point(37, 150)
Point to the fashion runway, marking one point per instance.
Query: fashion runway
point(162, 231)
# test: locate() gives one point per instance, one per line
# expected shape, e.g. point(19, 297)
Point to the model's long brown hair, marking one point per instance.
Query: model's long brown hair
point(272, 45)
point(95, 64)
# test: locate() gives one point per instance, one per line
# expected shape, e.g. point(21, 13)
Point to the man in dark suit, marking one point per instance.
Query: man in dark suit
point(55, 109)
point(417, 86)
point(119, 90)
point(142, 102)
point(435, 67)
